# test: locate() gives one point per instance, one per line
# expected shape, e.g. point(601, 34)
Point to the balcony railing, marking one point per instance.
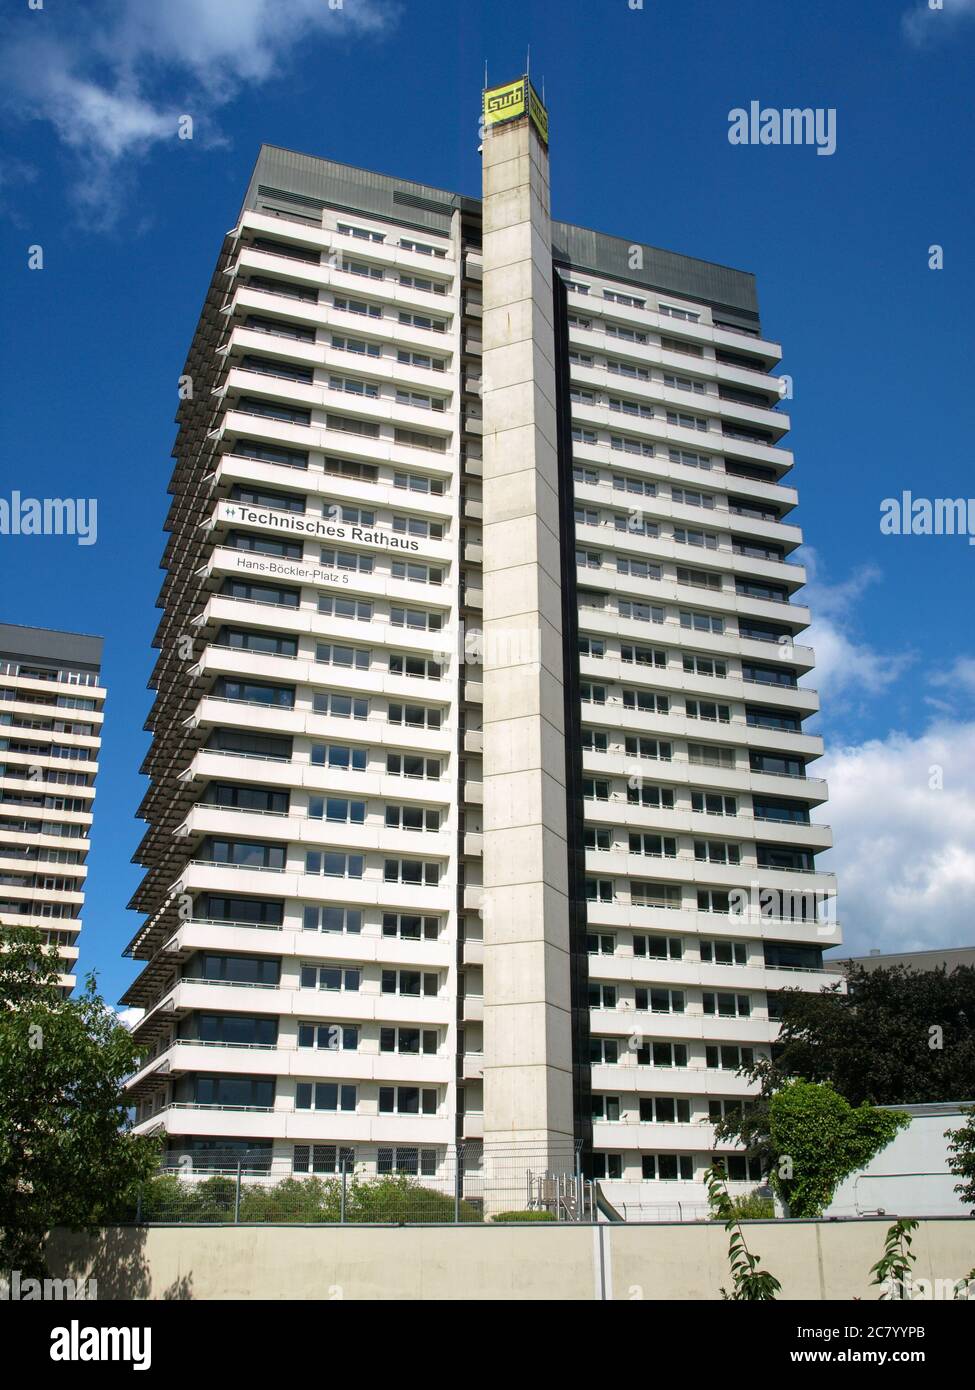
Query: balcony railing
point(295, 255)
point(199, 1105)
point(227, 984)
point(249, 651)
point(229, 864)
point(224, 922)
point(260, 757)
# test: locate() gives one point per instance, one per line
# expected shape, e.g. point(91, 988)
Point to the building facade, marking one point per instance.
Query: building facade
point(51, 711)
point(478, 808)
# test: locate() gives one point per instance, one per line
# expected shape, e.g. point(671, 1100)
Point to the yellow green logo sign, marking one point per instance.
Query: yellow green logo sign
point(512, 101)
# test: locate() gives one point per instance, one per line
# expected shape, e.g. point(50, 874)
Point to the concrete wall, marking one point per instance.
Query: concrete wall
point(813, 1260)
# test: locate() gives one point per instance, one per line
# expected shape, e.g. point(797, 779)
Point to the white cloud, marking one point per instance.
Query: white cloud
point(959, 678)
point(110, 124)
point(926, 23)
point(845, 666)
point(904, 847)
point(242, 41)
point(130, 1017)
point(113, 80)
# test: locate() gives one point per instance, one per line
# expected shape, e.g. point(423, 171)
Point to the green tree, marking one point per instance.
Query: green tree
point(816, 1138)
point(66, 1158)
point(961, 1156)
point(895, 1037)
point(893, 1270)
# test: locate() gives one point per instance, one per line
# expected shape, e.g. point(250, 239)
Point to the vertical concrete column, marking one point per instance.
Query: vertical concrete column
point(527, 1032)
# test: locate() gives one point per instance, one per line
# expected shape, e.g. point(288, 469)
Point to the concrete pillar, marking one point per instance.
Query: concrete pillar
point(527, 1032)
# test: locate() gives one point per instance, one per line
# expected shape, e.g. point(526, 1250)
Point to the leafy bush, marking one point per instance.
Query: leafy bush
point(400, 1198)
point(162, 1198)
point(752, 1206)
point(304, 1200)
point(817, 1139)
point(394, 1199)
point(961, 1156)
point(506, 1216)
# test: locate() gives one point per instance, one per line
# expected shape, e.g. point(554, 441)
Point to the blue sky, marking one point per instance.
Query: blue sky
point(130, 219)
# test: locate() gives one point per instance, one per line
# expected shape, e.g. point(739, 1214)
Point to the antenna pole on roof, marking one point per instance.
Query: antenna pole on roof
point(528, 62)
point(485, 74)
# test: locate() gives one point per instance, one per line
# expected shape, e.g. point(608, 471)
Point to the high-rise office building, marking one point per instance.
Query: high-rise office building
point(51, 703)
point(478, 805)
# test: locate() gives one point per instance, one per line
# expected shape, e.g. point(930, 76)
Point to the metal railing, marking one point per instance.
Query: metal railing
point(332, 1183)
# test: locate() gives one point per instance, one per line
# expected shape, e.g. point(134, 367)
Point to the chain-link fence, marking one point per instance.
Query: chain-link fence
point(323, 1183)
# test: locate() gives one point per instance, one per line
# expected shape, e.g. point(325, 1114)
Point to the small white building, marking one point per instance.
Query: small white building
point(910, 1177)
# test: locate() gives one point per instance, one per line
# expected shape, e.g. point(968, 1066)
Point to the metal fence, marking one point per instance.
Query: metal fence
point(324, 1183)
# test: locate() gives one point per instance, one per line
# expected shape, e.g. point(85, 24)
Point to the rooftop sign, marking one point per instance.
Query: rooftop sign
point(511, 102)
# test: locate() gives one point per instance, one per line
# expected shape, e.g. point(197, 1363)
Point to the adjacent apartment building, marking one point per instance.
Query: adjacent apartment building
point(479, 808)
point(51, 710)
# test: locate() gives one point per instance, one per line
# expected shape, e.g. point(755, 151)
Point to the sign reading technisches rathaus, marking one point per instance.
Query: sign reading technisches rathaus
point(320, 527)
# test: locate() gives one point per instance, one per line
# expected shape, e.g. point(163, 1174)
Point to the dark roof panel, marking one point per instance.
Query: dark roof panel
point(47, 644)
point(302, 184)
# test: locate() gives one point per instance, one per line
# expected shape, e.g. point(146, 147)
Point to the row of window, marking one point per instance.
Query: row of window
point(676, 1167)
point(717, 900)
point(655, 846)
point(373, 309)
point(279, 748)
point(334, 703)
point(712, 580)
point(343, 1037)
point(347, 514)
point(661, 1000)
point(613, 296)
point(332, 1158)
point(330, 977)
point(294, 251)
point(690, 620)
point(346, 979)
point(668, 1056)
point(253, 854)
point(338, 809)
point(258, 1093)
point(636, 523)
point(700, 754)
point(393, 1100)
